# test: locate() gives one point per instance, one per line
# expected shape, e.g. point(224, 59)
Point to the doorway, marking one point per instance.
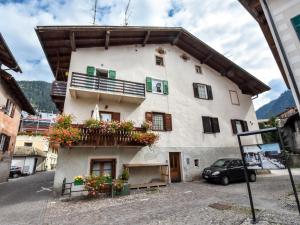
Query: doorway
point(175, 171)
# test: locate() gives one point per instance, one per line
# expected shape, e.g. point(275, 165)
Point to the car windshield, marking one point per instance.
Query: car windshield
point(221, 163)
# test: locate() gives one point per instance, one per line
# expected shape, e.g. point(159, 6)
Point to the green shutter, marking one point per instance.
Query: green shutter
point(296, 23)
point(112, 74)
point(149, 84)
point(166, 87)
point(90, 70)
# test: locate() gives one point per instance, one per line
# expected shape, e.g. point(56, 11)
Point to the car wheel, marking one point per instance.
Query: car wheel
point(225, 180)
point(252, 177)
point(15, 175)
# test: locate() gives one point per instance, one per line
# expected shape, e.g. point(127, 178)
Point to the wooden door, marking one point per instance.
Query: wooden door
point(175, 171)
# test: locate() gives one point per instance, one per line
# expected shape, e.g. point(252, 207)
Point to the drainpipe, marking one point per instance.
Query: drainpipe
point(283, 52)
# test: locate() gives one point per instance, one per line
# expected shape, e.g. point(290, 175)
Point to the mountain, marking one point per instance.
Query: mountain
point(38, 93)
point(276, 106)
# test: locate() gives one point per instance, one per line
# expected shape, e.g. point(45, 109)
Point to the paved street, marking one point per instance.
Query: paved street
point(185, 203)
point(23, 200)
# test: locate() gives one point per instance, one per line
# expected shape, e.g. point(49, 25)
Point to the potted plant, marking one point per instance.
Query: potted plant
point(78, 180)
point(145, 138)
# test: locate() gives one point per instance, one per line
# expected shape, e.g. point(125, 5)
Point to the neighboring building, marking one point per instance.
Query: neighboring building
point(12, 102)
point(280, 23)
point(40, 143)
point(196, 98)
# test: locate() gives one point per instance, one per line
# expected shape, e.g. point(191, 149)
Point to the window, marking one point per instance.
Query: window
point(108, 116)
point(296, 24)
point(157, 86)
point(234, 98)
point(239, 126)
point(210, 125)
point(157, 121)
point(102, 73)
point(4, 142)
point(160, 121)
point(10, 108)
point(159, 60)
point(103, 167)
point(28, 144)
point(202, 91)
point(198, 69)
point(196, 162)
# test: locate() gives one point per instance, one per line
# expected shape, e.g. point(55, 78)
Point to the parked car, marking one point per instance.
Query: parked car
point(15, 171)
point(225, 171)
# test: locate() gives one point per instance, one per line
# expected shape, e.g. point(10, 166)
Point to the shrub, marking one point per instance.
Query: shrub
point(125, 175)
point(92, 123)
point(65, 136)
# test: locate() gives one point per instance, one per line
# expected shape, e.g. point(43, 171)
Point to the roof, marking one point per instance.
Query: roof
point(59, 41)
point(12, 85)
point(6, 57)
point(255, 9)
point(28, 151)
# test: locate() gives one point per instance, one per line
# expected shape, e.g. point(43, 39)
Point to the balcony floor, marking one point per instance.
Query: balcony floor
point(77, 92)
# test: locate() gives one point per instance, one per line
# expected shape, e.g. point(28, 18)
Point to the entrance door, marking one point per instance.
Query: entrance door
point(175, 166)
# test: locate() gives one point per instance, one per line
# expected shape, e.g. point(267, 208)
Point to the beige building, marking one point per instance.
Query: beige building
point(12, 102)
point(196, 99)
point(280, 23)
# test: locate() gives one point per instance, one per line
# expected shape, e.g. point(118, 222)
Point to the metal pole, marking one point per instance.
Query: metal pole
point(247, 181)
point(289, 170)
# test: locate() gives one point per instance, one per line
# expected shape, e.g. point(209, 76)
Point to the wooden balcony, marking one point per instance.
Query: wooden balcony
point(85, 86)
point(58, 93)
point(94, 137)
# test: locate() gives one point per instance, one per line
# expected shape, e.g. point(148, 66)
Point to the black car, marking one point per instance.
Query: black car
point(15, 171)
point(225, 171)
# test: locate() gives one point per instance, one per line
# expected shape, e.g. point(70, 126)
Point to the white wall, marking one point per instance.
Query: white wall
point(135, 63)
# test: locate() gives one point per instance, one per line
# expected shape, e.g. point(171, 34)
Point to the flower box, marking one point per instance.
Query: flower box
point(78, 182)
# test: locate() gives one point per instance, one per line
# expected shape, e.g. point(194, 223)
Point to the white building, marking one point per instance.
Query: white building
point(196, 98)
point(280, 23)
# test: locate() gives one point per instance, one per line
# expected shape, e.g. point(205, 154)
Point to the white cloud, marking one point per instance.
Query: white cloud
point(224, 25)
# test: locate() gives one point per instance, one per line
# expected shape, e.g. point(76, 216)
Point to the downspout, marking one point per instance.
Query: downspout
point(283, 52)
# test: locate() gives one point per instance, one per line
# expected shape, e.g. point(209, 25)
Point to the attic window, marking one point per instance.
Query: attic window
point(198, 69)
point(159, 61)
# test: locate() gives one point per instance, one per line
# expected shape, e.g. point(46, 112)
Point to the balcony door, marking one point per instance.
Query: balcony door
point(103, 79)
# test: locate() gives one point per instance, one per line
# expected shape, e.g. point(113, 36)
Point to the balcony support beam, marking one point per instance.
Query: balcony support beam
point(146, 38)
point(72, 41)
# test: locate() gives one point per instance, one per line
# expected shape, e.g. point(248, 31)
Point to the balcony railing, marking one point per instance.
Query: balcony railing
point(96, 137)
point(80, 80)
point(59, 88)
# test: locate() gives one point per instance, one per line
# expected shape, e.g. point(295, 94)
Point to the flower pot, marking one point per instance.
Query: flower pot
point(78, 182)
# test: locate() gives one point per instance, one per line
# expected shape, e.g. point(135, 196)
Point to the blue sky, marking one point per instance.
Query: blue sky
point(224, 25)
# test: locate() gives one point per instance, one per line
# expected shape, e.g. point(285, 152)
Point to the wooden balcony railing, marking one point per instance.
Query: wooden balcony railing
point(107, 85)
point(96, 137)
point(59, 89)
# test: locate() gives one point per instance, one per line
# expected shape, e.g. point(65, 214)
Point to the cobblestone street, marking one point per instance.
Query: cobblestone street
point(185, 203)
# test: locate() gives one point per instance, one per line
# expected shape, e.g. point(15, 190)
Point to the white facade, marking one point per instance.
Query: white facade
point(135, 63)
point(282, 12)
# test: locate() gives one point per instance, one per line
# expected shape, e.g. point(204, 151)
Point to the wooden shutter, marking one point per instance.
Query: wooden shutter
point(245, 126)
point(112, 74)
point(215, 125)
point(168, 122)
point(195, 87)
point(6, 143)
point(148, 116)
point(6, 106)
point(165, 87)
point(296, 24)
point(207, 128)
point(116, 116)
point(209, 92)
point(90, 70)
point(13, 111)
point(233, 125)
point(149, 84)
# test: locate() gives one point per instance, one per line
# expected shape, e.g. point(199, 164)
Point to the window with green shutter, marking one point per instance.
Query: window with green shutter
point(149, 84)
point(90, 70)
point(165, 87)
point(296, 24)
point(112, 74)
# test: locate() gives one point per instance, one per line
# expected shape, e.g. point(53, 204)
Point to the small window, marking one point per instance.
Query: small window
point(202, 91)
point(159, 60)
point(102, 73)
point(196, 162)
point(103, 167)
point(210, 124)
point(9, 108)
point(198, 69)
point(234, 98)
point(4, 142)
point(28, 144)
point(158, 122)
point(106, 116)
point(239, 126)
point(157, 86)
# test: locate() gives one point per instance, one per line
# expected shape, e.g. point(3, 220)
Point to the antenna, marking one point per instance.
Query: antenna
point(95, 11)
point(126, 16)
